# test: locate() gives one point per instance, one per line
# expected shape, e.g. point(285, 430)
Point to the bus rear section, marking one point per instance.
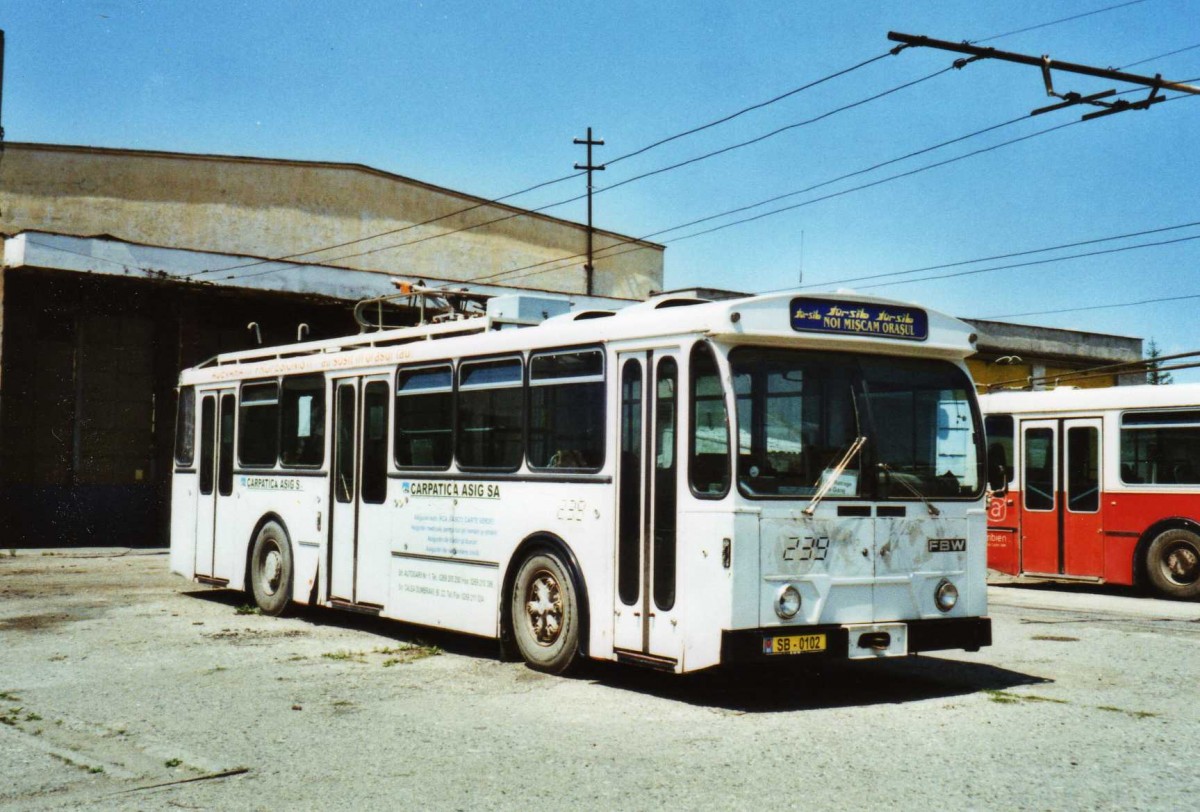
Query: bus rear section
point(1099, 485)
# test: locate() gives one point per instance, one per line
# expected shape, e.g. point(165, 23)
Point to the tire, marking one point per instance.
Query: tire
point(271, 569)
point(545, 614)
point(1173, 564)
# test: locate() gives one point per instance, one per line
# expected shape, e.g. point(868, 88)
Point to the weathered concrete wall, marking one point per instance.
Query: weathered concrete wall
point(270, 208)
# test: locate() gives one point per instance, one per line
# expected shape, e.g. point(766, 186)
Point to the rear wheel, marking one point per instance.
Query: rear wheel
point(545, 614)
point(1173, 564)
point(271, 569)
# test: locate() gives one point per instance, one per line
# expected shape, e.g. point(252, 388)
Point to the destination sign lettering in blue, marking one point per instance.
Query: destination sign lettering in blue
point(860, 319)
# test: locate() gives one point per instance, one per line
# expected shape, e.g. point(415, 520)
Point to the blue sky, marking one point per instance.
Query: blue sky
point(486, 98)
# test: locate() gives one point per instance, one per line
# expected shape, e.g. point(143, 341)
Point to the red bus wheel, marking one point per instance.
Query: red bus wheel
point(1173, 564)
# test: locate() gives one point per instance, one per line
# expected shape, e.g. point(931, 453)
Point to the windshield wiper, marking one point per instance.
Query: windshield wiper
point(883, 466)
point(832, 475)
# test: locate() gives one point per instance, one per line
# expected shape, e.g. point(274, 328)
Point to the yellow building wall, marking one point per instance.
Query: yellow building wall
point(986, 373)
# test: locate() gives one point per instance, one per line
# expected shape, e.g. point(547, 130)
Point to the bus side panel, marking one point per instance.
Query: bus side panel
point(704, 585)
point(1003, 552)
point(977, 537)
point(295, 500)
point(307, 521)
point(745, 573)
point(184, 487)
point(453, 541)
point(1127, 515)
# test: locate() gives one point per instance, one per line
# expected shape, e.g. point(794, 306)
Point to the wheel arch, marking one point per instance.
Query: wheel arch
point(270, 516)
point(1140, 577)
point(544, 540)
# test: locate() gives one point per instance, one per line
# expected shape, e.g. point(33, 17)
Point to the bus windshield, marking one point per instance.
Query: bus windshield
point(800, 412)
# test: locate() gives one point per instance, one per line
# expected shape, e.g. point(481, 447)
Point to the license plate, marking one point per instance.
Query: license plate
point(794, 644)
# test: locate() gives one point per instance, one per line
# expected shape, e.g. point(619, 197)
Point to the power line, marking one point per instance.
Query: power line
point(1056, 22)
point(1093, 307)
point(1034, 262)
point(1161, 56)
point(608, 250)
point(544, 184)
point(642, 176)
point(1012, 255)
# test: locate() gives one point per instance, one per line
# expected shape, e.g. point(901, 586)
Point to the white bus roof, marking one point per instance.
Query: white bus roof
point(760, 320)
point(1067, 399)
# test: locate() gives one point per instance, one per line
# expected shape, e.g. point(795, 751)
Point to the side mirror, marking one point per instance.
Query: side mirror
point(997, 480)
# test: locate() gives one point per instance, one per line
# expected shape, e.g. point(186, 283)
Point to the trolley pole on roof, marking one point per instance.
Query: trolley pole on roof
point(589, 269)
point(1155, 83)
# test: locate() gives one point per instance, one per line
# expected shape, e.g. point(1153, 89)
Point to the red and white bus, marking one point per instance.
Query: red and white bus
point(1097, 484)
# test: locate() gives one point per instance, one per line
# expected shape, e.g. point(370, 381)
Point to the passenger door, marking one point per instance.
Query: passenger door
point(360, 529)
point(647, 589)
point(1040, 548)
point(217, 416)
point(1082, 525)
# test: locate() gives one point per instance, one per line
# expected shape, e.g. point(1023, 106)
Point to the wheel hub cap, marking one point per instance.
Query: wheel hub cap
point(272, 570)
point(1183, 564)
point(545, 609)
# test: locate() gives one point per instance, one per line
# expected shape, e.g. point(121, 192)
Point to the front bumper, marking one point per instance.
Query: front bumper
point(969, 634)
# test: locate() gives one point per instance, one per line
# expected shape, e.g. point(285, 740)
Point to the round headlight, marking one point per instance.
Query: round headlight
point(946, 595)
point(787, 603)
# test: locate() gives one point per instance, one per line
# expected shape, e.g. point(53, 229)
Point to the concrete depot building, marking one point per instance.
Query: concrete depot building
point(122, 267)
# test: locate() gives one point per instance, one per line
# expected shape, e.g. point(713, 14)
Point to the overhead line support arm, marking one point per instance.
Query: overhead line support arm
point(1046, 64)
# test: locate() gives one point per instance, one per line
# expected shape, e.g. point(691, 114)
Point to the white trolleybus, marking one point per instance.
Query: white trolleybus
point(1098, 485)
point(678, 484)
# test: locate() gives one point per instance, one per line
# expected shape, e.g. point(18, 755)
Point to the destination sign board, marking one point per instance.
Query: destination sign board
point(812, 315)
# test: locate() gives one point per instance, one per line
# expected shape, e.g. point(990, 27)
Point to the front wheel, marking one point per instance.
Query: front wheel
point(271, 569)
point(545, 614)
point(1173, 564)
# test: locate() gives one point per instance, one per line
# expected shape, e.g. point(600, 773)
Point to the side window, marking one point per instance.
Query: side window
point(566, 410)
point(1039, 469)
point(225, 446)
point(208, 448)
point(708, 448)
point(424, 417)
point(999, 430)
point(1083, 469)
point(185, 427)
point(490, 410)
point(666, 422)
point(374, 439)
point(258, 421)
point(302, 415)
point(1161, 447)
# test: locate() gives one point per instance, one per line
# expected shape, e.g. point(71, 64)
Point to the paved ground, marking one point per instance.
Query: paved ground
point(123, 687)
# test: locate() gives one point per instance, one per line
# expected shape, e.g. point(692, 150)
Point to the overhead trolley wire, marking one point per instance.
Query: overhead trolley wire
point(1093, 307)
point(1056, 22)
point(678, 165)
point(544, 184)
point(1161, 56)
point(1033, 262)
point(607, 251)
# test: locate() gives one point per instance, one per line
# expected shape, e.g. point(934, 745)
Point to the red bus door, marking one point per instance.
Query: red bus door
point(1039, 497)
point(1082, 528)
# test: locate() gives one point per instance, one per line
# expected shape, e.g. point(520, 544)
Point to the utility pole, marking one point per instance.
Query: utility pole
point(1155, 83)
point(589, 269)
point(1, 90)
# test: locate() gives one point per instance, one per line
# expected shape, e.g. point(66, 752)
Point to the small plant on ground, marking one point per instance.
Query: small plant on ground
point(248, 609)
